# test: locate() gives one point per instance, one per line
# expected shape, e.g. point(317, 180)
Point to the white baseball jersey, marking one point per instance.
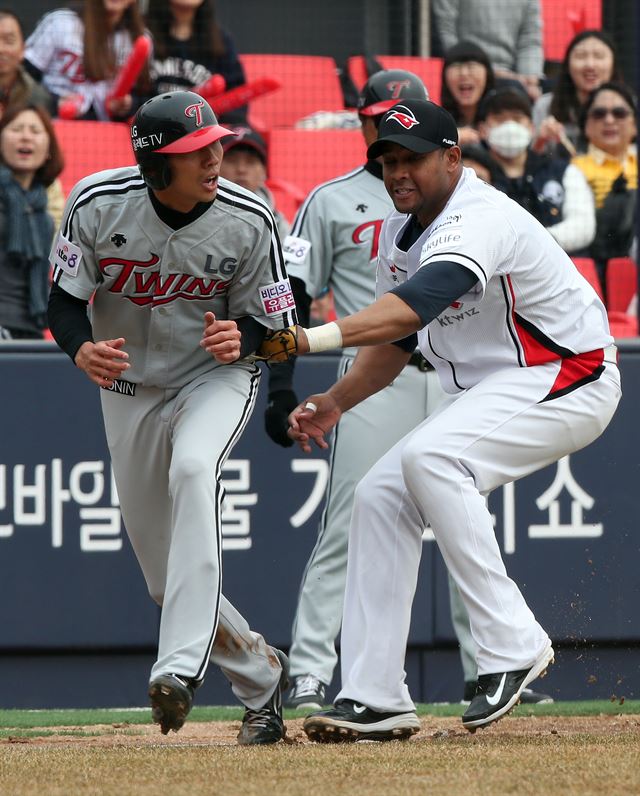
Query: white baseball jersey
point(334, 240)
point(56, 48)
point(529, 306)
point(153, 288)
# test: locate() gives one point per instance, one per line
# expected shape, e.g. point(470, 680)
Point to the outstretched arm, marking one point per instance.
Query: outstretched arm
point(397, 314)
point(374, 368)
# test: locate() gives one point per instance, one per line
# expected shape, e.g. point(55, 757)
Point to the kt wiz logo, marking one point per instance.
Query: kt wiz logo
point(404, 117)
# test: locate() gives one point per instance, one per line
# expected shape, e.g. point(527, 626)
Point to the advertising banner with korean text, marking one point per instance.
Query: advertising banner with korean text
point(69, 579)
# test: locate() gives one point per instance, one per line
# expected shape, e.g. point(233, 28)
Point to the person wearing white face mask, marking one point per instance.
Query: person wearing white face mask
point(553, 191)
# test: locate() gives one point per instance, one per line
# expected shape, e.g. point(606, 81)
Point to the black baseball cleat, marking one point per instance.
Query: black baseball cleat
point(497, 694)
point(527, 697)
point(171, 700)
point(265, 725)
point(351, 721)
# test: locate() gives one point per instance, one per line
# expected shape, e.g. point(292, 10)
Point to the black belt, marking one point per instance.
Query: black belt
point(418, 361)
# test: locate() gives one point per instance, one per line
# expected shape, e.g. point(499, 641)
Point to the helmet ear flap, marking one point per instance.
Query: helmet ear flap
point(155, 170)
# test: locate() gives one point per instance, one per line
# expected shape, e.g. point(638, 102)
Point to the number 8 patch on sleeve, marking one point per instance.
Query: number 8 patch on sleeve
point(67, 256)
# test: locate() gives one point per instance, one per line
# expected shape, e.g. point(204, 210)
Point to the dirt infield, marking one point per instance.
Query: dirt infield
point(520, 755)
point(223, 733)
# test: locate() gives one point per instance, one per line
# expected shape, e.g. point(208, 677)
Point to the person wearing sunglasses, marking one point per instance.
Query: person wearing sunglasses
point(610, 166)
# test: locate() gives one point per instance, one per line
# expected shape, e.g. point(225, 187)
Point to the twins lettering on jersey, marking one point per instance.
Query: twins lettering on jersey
point(142, 286)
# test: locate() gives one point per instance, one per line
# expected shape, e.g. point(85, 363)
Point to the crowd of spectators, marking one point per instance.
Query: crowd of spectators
point(564, 147)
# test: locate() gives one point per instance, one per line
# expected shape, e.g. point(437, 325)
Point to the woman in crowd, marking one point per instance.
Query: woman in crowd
point(590, 60)
point(79, 52)
point(190, 47)
point(30, 160)
point(467, 76)
point(610, 166)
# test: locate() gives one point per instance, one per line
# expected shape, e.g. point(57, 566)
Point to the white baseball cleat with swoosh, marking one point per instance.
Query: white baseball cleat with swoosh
point(496, 694)
point(351, 721)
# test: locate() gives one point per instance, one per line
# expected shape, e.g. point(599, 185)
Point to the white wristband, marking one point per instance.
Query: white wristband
point(324, 338)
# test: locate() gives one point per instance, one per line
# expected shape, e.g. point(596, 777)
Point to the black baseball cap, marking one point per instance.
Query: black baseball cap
point(245, 137)
point(418, 125)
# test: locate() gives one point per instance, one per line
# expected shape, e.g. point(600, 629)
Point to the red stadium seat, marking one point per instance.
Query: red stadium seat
point(622, 289)
point(92, 146)
point(622, 283)
point(587, 268)
point(428, 69)
point(309, 83)
point(623, 325)
point(304, 158)
point(561, 22)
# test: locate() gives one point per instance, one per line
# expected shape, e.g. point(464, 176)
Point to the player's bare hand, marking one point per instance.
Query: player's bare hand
point(221, 339)
point(312, 419)
point(103, 361)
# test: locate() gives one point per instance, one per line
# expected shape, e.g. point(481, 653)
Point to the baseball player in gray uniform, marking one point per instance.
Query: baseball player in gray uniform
point(521, 345)
point(180, 265)
point(334, 243)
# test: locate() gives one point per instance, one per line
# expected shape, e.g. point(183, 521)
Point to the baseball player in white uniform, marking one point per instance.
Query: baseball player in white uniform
point(521, 344)
point(180, 264)
point(334, 244)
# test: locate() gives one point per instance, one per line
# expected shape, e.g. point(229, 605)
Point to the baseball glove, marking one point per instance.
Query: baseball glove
point(278, 346)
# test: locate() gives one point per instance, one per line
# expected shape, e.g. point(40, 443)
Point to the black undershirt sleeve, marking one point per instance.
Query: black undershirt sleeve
point(253, 333)
point(68, 320)
point(434, 287)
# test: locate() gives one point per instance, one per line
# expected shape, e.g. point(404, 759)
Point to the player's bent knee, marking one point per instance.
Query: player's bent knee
point(424, 471)
point(189, 468)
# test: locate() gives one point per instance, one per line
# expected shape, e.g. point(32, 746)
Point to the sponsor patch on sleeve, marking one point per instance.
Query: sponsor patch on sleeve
point(277, 297)
point(295, 250)
point(67, 256)
point(444, 240)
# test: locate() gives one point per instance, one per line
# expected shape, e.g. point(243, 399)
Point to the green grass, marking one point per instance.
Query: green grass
point(25, 719)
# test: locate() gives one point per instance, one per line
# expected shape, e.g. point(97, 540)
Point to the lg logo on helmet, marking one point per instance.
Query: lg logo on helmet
point(195, 111)
point(153, 140)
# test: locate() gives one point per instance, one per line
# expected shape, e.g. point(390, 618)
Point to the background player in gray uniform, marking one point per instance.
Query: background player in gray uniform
point(521, 345)
point(173, 254)
point(334, 243)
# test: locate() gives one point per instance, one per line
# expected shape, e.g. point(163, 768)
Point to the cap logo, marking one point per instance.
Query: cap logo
point(395, 88)
point(405, 118)
point(195, 111)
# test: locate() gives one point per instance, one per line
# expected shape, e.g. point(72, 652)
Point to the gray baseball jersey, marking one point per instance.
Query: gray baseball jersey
point(153, 286)
point(334, 240)
point(173, 422)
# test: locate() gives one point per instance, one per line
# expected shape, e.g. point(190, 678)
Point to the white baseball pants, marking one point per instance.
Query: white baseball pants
point(492, 434)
